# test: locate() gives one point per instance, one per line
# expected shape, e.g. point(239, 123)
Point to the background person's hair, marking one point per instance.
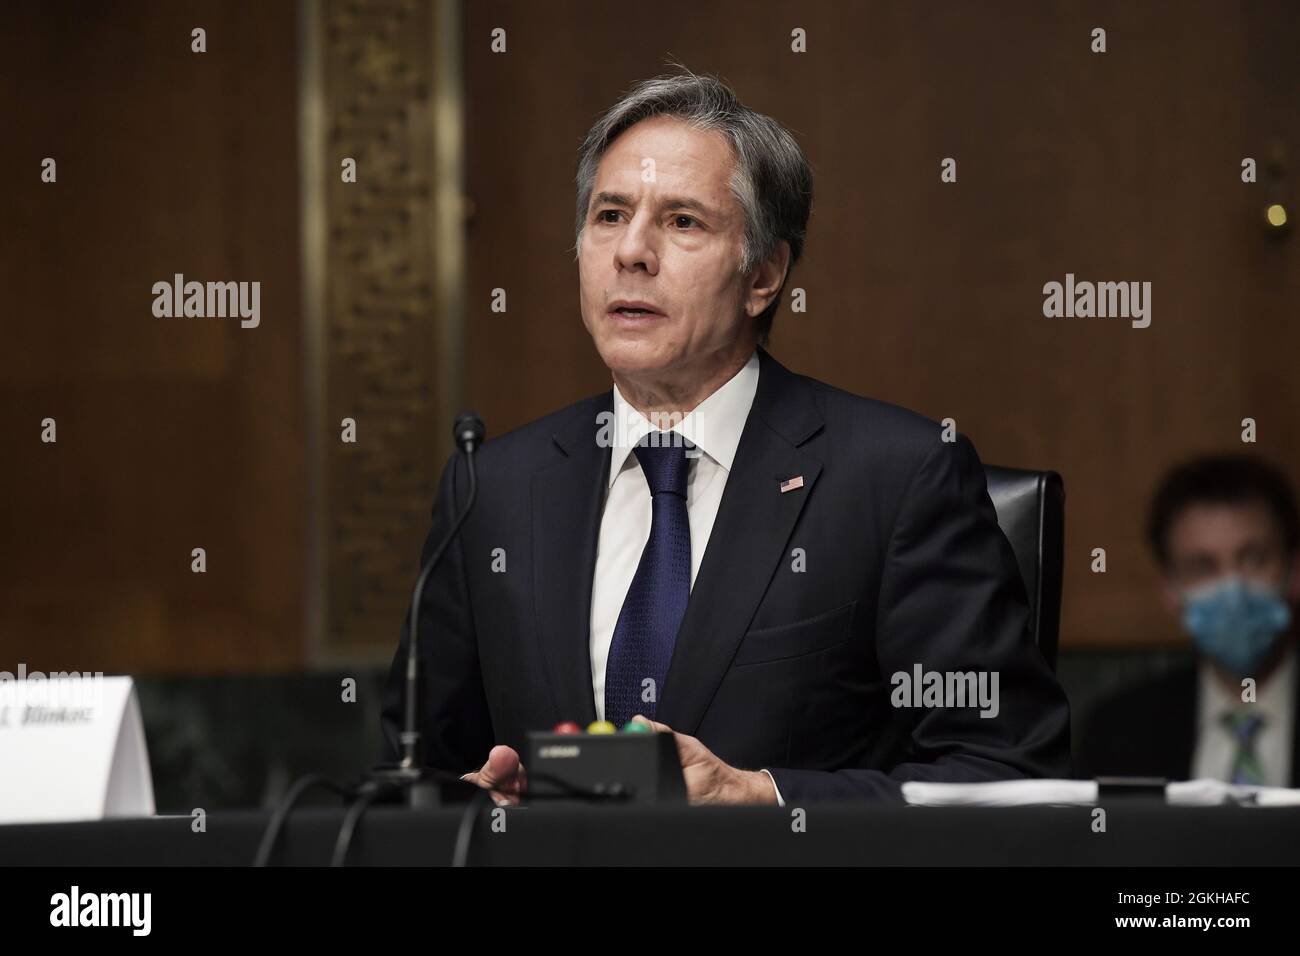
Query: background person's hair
point(1222, 480)
point(772, 179)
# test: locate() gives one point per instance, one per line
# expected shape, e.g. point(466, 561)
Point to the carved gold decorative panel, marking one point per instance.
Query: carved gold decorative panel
point(382, 268)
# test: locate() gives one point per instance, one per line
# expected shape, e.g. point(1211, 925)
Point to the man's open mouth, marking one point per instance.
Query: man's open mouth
point(633, 309)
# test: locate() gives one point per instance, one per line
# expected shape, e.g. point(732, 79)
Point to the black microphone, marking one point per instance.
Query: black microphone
point(468, 434)
point(419, 784)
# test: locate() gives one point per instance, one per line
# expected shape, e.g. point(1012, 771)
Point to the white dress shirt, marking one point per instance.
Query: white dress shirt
point(1216, 748)
point(714, 427)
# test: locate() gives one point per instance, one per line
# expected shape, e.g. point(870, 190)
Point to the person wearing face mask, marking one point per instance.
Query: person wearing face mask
point(1224, 530)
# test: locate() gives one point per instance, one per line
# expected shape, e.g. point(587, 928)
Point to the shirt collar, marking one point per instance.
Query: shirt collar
point(1272, 697)
point(714, 426)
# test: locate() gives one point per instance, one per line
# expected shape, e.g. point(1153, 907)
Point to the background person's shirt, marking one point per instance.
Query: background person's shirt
point(1216, 748)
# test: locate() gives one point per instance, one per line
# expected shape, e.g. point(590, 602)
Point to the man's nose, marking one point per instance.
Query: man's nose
point(636, 248)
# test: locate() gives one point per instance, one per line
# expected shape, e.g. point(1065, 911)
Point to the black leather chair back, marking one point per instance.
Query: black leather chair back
point(1031, 512)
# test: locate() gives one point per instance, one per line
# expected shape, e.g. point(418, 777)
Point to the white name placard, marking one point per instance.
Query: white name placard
point(71, 748)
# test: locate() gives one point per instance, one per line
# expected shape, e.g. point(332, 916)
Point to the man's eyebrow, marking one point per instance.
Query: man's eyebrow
point(669, 202)
point(611, 199)
point(684, 202)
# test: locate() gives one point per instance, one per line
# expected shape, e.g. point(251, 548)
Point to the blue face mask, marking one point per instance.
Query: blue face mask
point(1235, 622)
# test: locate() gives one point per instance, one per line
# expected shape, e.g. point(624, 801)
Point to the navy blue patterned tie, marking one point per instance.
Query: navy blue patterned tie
point(1244, 727)
point(656, 601)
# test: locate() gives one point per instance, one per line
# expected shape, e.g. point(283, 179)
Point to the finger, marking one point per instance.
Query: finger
point(517, 781)
point(499, 770)
point(688, 748)
point(499, 797)
point(506, 796)
point(661, 728)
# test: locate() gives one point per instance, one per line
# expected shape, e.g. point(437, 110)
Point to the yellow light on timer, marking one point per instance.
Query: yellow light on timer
point(1276, 216)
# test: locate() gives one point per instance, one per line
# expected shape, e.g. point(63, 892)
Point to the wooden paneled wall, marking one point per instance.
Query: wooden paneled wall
point(172, 433)
point(1116, 166)
point(182, 433)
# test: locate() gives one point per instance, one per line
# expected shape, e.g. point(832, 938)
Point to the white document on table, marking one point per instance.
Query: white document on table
point(1020, 793)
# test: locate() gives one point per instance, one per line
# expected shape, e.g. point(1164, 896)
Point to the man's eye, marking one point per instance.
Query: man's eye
point(1255, 558)
point(689, 221)
point(1193, 571)
point(603, 215)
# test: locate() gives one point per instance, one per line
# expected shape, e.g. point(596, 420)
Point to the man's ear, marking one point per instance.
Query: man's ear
point(766, 280)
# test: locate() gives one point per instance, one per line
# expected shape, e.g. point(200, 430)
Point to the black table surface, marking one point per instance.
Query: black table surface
point(1137, 833)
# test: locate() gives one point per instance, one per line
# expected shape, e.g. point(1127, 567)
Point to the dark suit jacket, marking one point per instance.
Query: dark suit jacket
point(773, 668)
point(1148, 729)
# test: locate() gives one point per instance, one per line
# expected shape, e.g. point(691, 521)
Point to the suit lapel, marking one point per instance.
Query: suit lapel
point(567, 498)
point(747, 543)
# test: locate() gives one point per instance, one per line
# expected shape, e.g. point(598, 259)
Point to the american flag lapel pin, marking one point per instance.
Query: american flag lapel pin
point(790, 484)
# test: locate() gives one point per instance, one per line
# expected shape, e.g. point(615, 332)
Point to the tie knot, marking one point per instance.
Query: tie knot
point(1242, 724)
point(663, 459)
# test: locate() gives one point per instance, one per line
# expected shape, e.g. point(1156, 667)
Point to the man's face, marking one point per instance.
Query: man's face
point(664, 229)
point(1209, 541)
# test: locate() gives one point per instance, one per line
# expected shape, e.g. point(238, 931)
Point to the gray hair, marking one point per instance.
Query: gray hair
point(772, 179)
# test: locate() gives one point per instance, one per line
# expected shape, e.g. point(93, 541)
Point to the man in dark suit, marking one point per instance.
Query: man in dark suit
point(810, 589)
point(1225, 532)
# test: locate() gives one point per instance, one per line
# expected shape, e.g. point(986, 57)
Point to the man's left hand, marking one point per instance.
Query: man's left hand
point(711, 780)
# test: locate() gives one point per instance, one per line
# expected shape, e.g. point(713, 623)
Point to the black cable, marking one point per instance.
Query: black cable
point(460, 856)
point(465, 832)
point(357, 809)
point(371, 791)
point(367, 793)
point(271, 835)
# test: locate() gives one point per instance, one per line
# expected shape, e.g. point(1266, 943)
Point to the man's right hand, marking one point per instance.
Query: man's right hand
point(503, 774)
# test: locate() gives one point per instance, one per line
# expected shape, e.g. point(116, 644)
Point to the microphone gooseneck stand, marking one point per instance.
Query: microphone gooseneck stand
point(418, 785)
